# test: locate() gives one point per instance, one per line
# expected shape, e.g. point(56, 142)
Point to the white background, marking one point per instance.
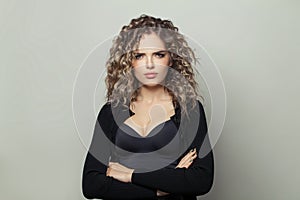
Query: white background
point(255, 44)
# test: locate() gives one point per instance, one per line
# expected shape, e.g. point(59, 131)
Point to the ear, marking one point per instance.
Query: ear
point(170, 62)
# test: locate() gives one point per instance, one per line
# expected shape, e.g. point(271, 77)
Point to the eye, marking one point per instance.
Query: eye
point(138, 56)
point(160, 55)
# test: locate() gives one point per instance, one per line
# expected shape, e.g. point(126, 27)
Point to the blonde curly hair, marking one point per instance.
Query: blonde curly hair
point(122, 86)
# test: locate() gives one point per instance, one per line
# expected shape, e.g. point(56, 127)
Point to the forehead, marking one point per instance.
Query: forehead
point(151, 41)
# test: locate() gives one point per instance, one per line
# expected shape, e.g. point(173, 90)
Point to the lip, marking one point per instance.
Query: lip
point(150, 75)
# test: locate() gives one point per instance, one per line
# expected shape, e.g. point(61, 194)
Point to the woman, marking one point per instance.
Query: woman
point(148, 133)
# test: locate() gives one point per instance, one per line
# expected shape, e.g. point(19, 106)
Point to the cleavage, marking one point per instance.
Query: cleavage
point(143, 135)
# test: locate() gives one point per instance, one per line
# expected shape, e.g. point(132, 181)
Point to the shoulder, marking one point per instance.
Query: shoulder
point(201, 108)
point(105, 111)
point(110, 115)
point(105, 122)
point(196, 114)
point(195, 106)
point(105, 116)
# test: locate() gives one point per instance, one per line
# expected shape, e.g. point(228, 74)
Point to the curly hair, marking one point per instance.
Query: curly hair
point(122, 86)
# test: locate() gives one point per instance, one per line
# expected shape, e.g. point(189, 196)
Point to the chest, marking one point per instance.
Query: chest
point(146, 117)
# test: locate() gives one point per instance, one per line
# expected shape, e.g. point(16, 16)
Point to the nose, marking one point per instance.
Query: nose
point(149, 64)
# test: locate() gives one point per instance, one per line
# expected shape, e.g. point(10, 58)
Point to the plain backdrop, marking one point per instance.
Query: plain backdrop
point(254, 43)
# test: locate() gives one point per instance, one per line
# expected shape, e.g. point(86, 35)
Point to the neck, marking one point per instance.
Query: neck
point(152, 93)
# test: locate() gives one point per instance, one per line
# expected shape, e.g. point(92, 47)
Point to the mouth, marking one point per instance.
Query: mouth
point(150, 75)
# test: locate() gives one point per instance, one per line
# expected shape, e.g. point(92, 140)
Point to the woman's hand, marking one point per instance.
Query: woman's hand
point(161, 193)
point(124, 174)
point(119, 172)
point(187, 160)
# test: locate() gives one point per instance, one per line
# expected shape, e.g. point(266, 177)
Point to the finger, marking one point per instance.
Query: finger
point(115, 166)
point(190, 161)
point(124, 168)
point(182, 163)
point(119, 167)
point(112, 172)
point(188, 156)
point(108, 172)
point(185, 163)
point(191, 153)
point(112, 163)
point(195, 156)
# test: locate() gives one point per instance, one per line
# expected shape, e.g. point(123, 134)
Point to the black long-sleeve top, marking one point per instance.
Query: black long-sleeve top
point(180, 182)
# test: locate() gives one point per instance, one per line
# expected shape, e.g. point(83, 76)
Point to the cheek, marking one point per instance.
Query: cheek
point(162, 69)
point(138, 63)
point(138, 72)
point(165, 72)
point(165, 61)
point(134, 63)
point(162, 72)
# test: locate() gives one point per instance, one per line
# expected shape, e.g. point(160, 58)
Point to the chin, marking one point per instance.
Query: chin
point(151, 84)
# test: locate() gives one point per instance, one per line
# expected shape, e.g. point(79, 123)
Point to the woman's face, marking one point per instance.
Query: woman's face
point(151, 60)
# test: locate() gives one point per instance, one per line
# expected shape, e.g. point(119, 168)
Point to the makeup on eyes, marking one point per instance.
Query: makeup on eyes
point(159, 54)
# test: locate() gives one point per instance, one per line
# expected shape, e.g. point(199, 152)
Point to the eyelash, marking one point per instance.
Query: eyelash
point(160, 55)
point(139, 56)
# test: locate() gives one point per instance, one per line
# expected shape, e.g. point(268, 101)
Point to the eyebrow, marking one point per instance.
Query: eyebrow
point(161, 51)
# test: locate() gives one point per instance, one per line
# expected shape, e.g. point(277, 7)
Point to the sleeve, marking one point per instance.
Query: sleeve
point(196, 180)
point(95, 183)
